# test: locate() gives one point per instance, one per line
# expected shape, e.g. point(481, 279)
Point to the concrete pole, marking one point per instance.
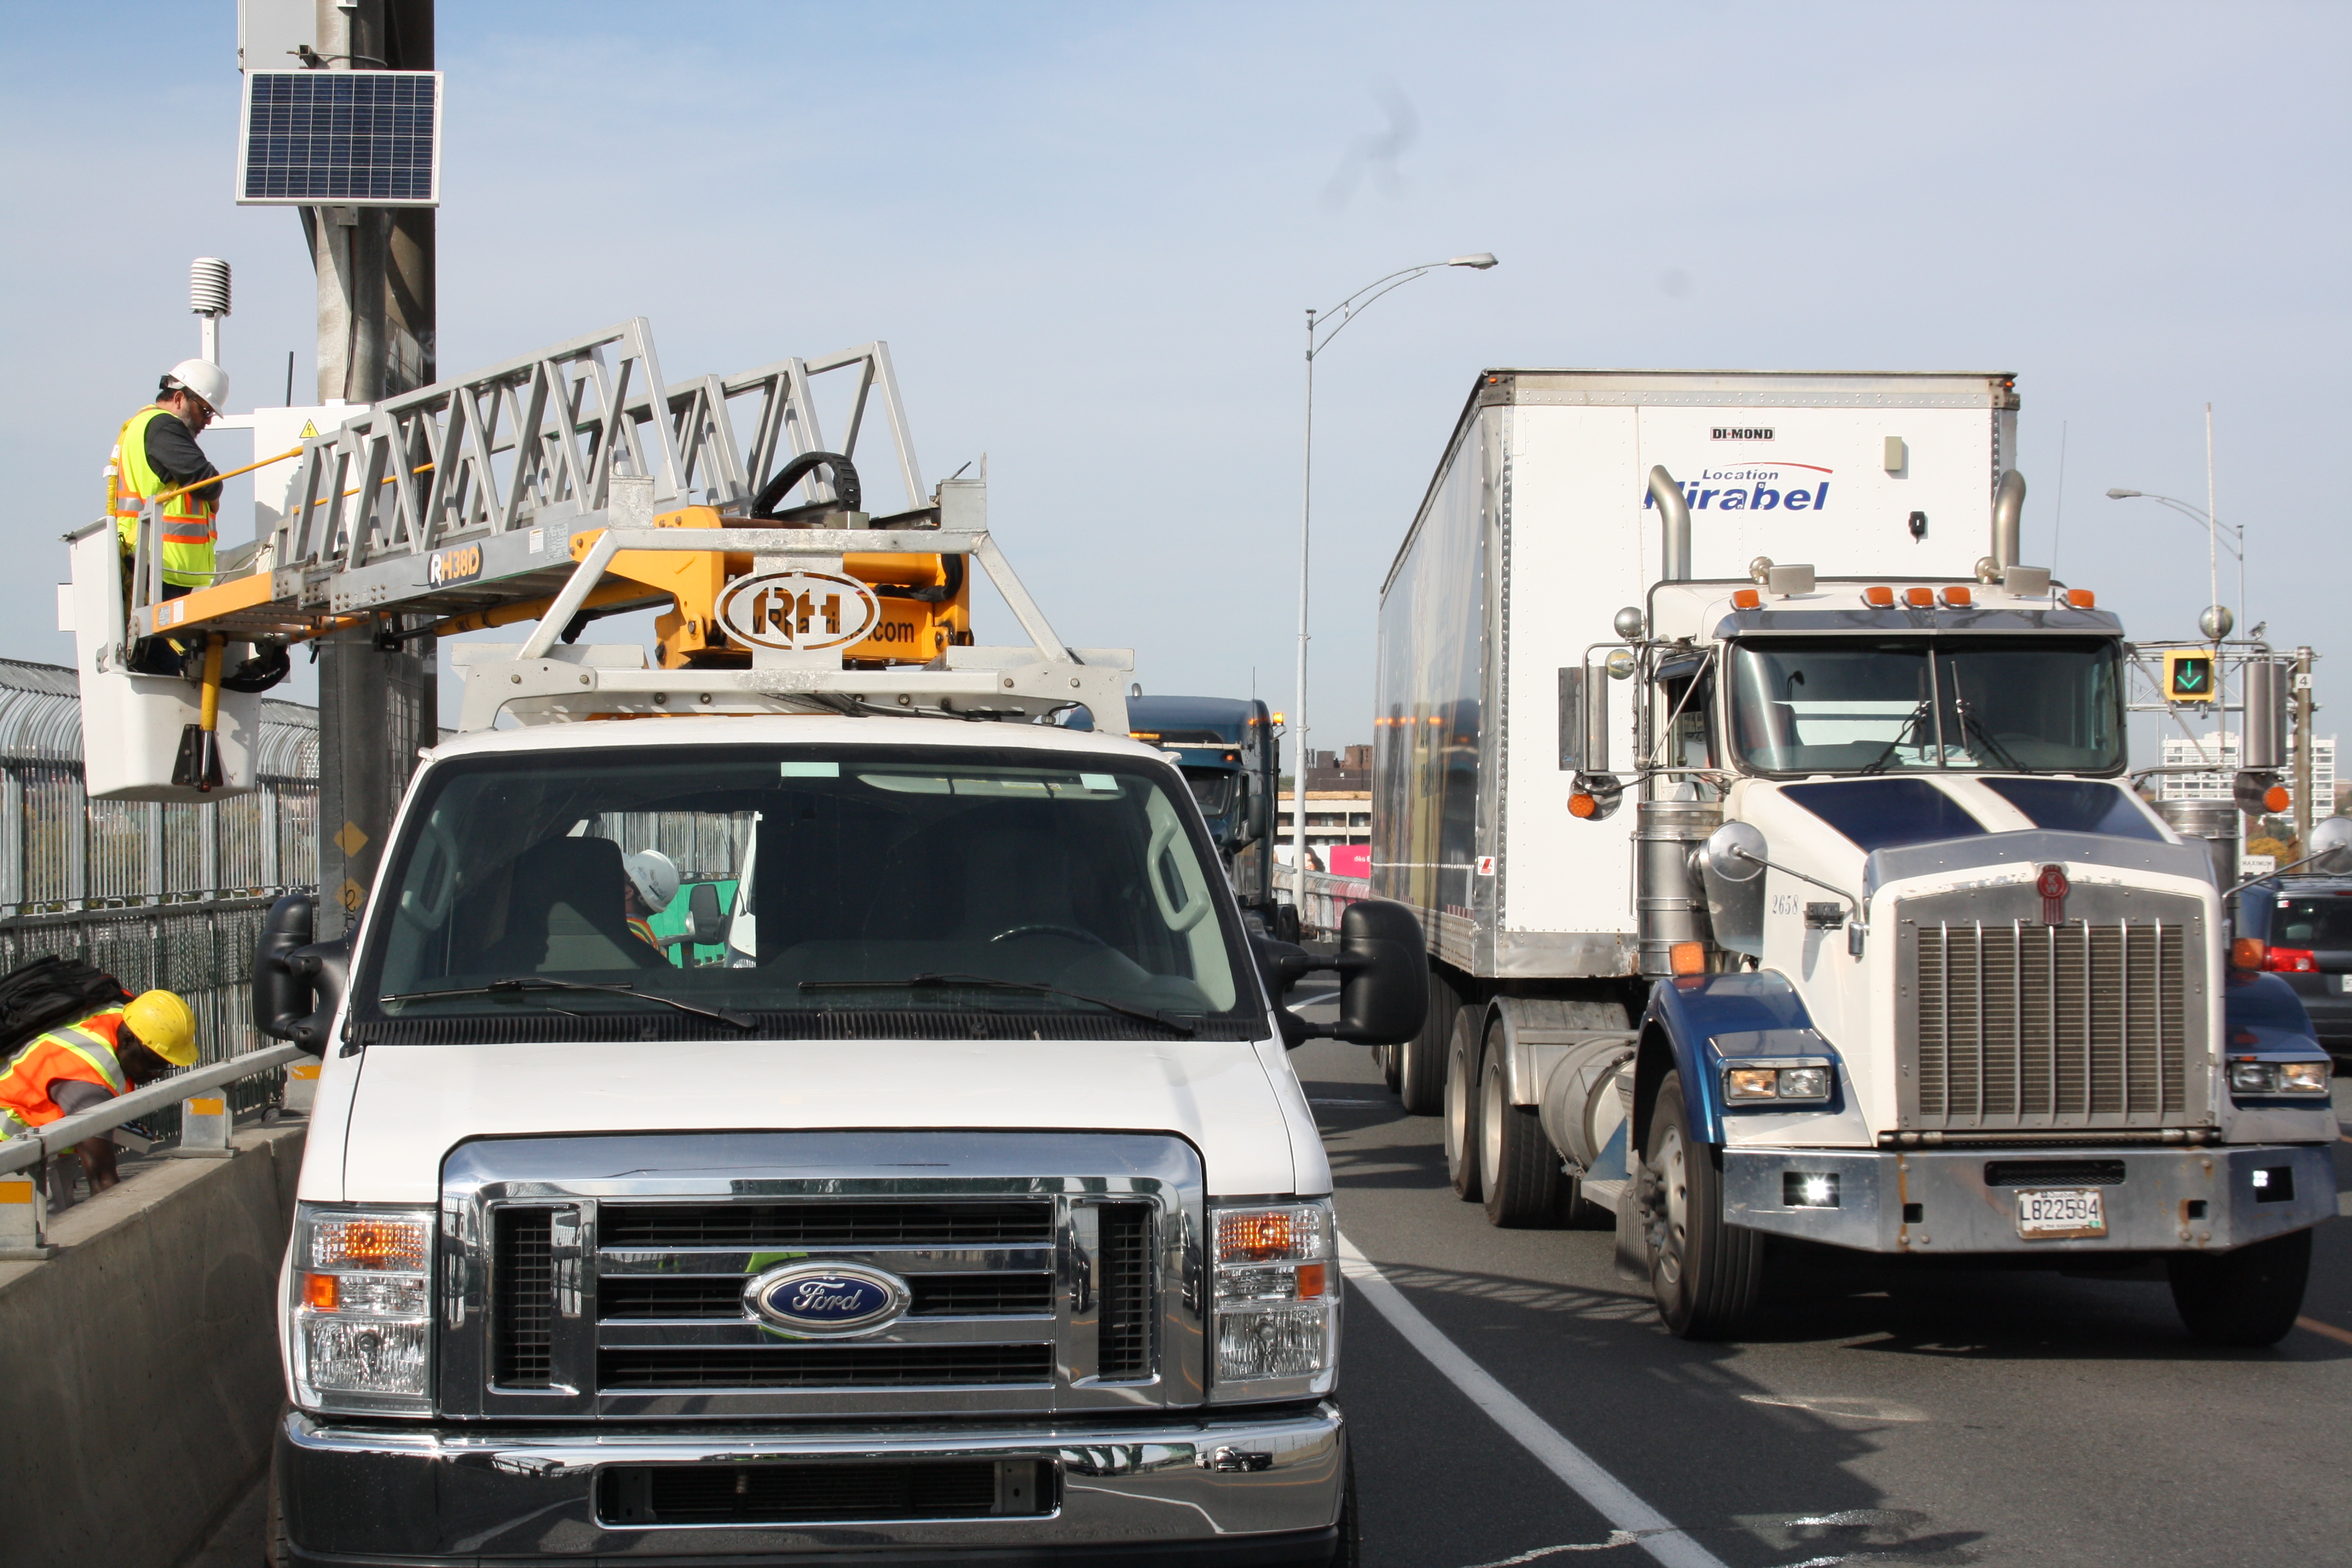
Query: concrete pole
point(379, 701)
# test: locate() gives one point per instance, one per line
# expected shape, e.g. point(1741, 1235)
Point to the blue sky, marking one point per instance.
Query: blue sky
point(1088, 232)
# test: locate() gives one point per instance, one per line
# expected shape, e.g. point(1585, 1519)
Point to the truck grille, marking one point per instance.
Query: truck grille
point(605, 1277)
point(630, 1496)
point(827, 1366)
point(2019, 1025)
point(524, 1270)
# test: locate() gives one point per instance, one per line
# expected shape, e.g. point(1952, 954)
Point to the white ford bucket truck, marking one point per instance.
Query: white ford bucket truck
point(945, 1190)
point(1856, 933)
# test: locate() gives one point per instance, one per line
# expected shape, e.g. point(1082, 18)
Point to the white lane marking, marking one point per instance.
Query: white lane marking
point(2344, 1204)
point(1617, 1538)
point(1610, 1497)
point(1312, 1101)
point(1844, 1409)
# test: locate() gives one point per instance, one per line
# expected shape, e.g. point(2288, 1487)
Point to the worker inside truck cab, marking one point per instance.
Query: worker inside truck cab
point(156, 451)
point(652, 882)
point(80, 1066)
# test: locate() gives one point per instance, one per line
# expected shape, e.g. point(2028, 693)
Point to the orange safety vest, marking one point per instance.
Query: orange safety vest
point(645, 931)
point(78, 1053)
point(189, 534)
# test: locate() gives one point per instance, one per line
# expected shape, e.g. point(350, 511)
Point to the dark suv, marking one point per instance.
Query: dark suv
point(2311, 945)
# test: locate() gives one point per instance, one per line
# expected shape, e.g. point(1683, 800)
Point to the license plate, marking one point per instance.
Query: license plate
point(2062, 1214)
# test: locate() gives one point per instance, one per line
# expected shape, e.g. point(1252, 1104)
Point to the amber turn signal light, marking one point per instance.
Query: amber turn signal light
point(2082, 598)
point(319, 1293)
point(1688, 958)
point(1879, 598)
point(1582, 806)
point(2249, 953)
point(1746, 599)
point(2277, 798)
point(1311, 1281)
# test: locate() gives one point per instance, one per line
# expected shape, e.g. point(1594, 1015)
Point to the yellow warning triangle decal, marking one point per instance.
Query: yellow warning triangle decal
point(309, 428)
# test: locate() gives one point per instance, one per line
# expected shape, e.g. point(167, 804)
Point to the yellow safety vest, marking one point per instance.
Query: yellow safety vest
point(189, 534)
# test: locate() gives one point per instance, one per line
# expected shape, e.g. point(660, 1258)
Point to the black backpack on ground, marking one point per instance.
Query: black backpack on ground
point(49, 990)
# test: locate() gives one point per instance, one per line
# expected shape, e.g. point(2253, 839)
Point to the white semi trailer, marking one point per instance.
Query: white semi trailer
point(1844, 923)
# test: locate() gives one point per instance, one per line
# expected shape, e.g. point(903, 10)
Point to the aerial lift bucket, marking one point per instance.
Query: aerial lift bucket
point(150, 737)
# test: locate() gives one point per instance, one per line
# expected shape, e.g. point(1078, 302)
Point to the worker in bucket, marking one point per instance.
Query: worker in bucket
point(156, 451)
point(80, 1066)
point(652, 882)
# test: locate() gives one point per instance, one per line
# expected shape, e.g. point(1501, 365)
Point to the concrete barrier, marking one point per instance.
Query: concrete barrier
point(140, 1369)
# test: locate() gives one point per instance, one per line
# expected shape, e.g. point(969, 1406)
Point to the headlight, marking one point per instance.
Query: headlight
point(1748, 1085)
point(361, 1309)
point(2279, 1078)
point(1277, 1291)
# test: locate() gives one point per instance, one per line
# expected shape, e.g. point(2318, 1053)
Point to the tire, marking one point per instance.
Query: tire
point(1705, 1274)
point(1578, 1213)
point(1391, 1065)
point(1519, 1170)
point(1348, 1552)
point(1461, 1106)
point(1421, 1067)
point(2247, 1298)
point(276, 1550)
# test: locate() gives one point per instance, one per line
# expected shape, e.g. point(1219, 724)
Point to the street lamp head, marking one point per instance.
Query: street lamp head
point(1482, 261)
point(2121, 495)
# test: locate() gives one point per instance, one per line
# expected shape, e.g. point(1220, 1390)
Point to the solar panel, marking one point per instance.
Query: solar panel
point(341, 138)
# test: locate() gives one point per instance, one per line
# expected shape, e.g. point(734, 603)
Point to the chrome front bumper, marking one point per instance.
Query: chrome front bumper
point(1236, 1491)
point(1945, 1201)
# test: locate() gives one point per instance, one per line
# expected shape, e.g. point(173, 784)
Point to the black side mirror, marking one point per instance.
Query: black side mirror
point(298, 984)
point(1384, 976)
point(705, 914)
point(1383, 973)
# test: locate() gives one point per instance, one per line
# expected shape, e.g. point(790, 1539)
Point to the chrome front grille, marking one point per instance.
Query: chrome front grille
point(605, 1277)
point(2009, 1024)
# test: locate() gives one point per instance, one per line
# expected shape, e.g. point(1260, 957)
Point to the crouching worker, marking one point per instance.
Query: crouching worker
point(80, 1066)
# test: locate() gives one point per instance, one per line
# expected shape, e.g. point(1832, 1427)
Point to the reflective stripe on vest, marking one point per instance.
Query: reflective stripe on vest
point(645, 930)
point(188, 531)
point(72, 1054)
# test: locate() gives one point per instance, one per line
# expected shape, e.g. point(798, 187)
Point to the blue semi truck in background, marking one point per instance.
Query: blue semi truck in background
point(1226, 748)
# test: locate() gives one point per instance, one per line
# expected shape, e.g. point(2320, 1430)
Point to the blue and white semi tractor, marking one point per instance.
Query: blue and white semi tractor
point(1225, 746)
point(1783, 873)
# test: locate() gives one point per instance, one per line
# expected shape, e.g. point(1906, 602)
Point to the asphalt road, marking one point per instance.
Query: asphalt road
point(1874, 1413)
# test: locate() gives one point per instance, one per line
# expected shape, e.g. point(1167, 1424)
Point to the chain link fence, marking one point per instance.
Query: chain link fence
point(156, 894)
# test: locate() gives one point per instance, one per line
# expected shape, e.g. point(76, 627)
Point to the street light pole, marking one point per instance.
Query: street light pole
point(2237, 531)
point(1347, 311)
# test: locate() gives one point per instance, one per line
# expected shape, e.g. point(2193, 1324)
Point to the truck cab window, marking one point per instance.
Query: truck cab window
point(1870, 705)
point(881, 877)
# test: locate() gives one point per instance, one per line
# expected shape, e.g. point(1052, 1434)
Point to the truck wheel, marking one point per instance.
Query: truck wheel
point(1518, 1167)
point(1390, 1066)
point(1461, 1108)
point(277, 1551)
point(2247, 1297)
point(1704, 1272)
point(1578, 1212)
point(1348, 1552)
point(1421, 1067)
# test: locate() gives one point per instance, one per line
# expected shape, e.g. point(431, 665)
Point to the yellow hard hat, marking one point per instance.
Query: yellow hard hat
point(164, 1025)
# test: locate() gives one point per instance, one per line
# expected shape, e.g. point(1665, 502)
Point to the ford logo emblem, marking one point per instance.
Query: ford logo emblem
point(823, 1301)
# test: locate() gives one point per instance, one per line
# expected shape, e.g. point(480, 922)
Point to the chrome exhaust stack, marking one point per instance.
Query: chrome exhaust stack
point(2007, 520)
point(1674, 525)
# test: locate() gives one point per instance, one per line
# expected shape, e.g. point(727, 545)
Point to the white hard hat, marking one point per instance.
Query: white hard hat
point(203, 378)
point(654, 876)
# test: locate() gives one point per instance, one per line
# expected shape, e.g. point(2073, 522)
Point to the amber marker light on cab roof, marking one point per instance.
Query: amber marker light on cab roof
point(1746, 599)
point(1919, 598)
point(2082, 598)
point(1958, 598)
point(1880, 598)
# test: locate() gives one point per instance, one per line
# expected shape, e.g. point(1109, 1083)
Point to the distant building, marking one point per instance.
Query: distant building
point(2222, 748)
point(1338, 804)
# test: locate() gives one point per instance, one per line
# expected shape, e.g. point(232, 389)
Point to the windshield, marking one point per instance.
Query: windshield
point(1213, 788)
point(835, 892)
point(1870, 705)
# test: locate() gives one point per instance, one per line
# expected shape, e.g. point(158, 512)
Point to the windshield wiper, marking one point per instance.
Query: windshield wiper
point(514, 984)
point(1910, 727)
point(982, 982)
